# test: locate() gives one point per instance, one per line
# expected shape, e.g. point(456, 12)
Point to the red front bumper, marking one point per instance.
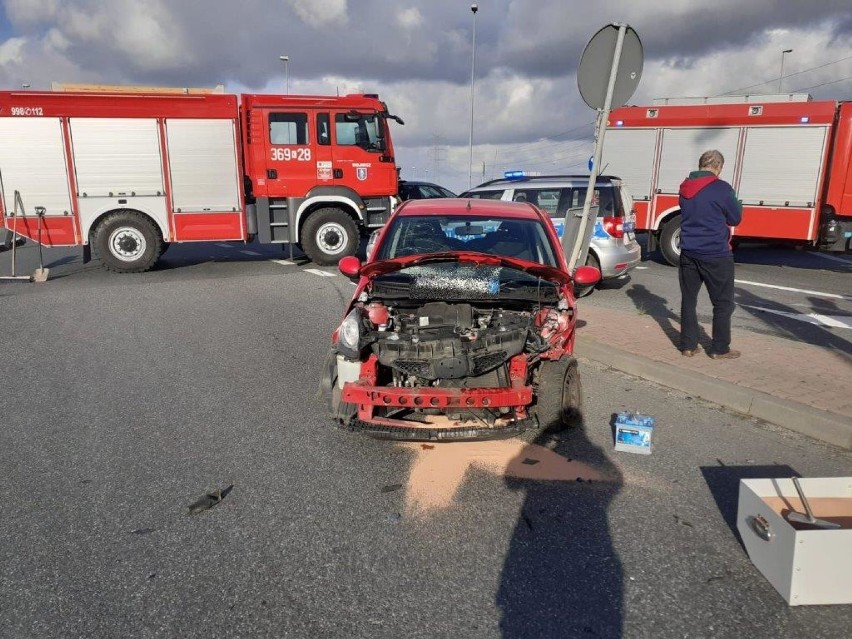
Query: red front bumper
point(367, 395)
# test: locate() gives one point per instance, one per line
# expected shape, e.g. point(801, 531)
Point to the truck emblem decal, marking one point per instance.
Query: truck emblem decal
point(361, 173)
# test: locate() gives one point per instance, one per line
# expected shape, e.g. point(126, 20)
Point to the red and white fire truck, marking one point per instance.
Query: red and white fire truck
point(130, 173)
point(788, 158)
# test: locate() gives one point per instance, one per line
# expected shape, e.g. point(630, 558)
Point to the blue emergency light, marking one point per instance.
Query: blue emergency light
point(804, 119)
point(515, 175)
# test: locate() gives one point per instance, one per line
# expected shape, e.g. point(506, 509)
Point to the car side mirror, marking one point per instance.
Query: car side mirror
point(350, 266)
point(584, 276)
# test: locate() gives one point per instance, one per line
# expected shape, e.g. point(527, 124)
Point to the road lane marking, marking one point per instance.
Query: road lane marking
point(253, 253)
point(223, 245)
point(795, 290)
point(834, 258)
point(641, 268)
point(284, 262)
point(316, 271)
point(832, 321)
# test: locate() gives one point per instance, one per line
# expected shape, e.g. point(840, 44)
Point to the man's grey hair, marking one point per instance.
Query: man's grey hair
point(711, 160)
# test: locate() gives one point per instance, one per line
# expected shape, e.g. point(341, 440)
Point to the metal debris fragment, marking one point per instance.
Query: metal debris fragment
point(209, 500)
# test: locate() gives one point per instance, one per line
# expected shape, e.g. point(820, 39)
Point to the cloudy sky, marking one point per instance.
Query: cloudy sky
point(417, 56)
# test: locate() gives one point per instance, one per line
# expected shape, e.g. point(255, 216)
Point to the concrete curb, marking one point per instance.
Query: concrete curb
point(823, 425)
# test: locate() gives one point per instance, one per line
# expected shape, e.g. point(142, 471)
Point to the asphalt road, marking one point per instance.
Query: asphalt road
point(126, 398)
point(797, 294)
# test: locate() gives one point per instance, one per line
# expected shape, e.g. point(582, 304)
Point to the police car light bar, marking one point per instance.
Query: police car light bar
point(519, 175)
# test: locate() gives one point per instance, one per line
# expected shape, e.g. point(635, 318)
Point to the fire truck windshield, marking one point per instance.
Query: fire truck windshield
point(365, 130)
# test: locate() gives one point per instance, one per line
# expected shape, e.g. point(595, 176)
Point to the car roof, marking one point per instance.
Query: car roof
point(419, 183)
point(471, 206)
point(544, 180)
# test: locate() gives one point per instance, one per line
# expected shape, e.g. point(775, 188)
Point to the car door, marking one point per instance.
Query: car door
point(290, 152)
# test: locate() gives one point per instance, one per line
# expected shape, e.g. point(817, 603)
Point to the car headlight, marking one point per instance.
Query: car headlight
point(349, 336)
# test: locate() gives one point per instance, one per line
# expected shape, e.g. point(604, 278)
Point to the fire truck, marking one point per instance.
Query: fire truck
point(129, 173)
point(788, 158)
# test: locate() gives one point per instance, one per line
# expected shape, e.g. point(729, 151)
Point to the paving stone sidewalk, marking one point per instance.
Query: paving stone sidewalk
point(793, 384)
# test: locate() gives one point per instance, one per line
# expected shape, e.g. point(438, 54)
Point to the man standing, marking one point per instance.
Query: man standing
point(708, 208)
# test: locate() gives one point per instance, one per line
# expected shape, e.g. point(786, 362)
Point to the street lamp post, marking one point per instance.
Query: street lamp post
point(286, 60)
point(781, 75)
point(473, 8)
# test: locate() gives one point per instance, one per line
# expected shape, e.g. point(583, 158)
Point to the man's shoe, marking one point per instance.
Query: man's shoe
point(689, 352)
point(728, 355)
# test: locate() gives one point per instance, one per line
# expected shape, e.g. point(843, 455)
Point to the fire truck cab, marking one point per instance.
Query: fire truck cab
point(132, 172)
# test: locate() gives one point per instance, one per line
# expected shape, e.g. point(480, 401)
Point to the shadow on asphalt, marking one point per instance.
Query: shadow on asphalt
point(562, 576)
point(724, 484)
point(657, 308)
point(766, 254)
point(772, 316)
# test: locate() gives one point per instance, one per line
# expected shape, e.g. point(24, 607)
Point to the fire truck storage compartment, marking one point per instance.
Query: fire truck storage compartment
point(781, 166)
point(683, 147)
point(118, 158)
point(32, 161)
point(205, 179)
point(634, 162)
point(203, 165)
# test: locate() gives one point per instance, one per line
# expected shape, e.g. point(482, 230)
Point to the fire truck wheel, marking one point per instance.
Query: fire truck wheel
point(670, 241)
point(127, 242)
point(559, 398)
point(328, 235)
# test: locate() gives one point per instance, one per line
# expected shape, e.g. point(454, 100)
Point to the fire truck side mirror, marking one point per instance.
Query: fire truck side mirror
point(349, 266)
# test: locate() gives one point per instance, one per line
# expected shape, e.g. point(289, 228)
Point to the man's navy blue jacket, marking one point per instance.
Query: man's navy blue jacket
point(708, 206)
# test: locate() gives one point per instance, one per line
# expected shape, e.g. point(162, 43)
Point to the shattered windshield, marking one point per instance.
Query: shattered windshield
point(453, 280)
point(507, 237)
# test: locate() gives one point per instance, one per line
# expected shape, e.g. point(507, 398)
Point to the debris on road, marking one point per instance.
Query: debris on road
point(209, 500)
point(633, 432)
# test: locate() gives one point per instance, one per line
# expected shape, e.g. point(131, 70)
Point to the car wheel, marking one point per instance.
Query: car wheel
point(670, 241)
point(559, 398)
point(127, 242)
point(329, 235)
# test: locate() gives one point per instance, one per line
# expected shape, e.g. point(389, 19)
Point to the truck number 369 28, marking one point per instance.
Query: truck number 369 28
point(285, 155)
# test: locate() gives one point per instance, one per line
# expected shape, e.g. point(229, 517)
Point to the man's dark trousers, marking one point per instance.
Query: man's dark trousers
point(718, 276)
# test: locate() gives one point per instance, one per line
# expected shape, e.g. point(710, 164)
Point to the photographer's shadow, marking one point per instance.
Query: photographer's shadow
point(562, 576)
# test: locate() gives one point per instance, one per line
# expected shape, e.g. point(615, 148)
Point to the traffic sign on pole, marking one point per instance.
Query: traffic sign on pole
point(616, 48)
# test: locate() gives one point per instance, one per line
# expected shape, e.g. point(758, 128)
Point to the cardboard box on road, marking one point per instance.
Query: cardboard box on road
point(807, 565)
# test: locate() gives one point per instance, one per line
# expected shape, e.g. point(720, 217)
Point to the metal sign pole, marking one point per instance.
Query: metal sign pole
point(587, 225)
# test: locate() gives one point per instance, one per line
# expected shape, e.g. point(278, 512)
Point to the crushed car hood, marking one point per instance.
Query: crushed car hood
point(383, 267)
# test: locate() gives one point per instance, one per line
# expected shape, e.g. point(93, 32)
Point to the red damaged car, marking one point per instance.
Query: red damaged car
point(461, 326)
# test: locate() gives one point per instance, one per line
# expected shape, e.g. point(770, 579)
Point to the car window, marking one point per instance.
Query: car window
point(485, 195)
point(428, 191)
point(603, 198)
point(417, 235)
point(546, 199)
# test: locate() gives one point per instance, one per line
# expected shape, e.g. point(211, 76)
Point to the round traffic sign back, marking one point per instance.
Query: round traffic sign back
point(596, 63)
